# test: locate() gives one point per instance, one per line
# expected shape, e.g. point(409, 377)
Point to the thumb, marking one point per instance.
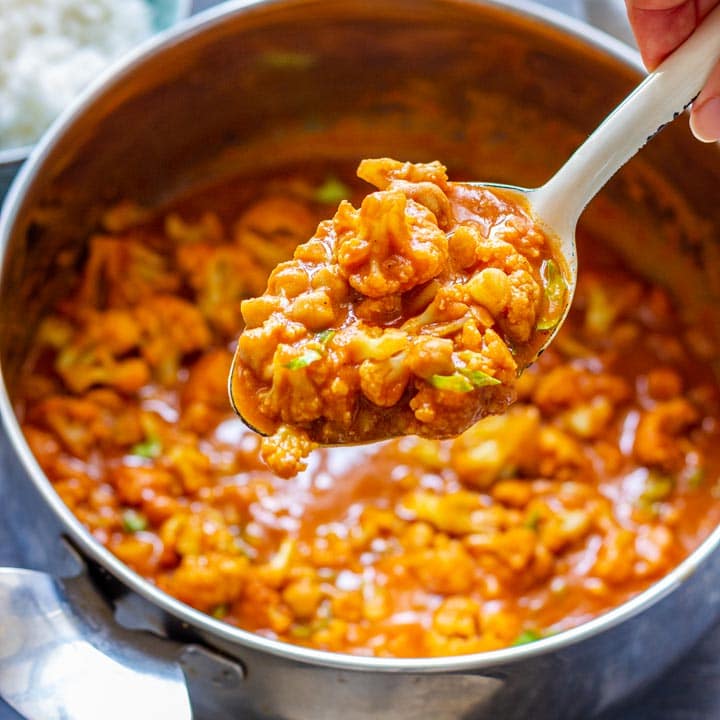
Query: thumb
point(705, 115)
point(662, 25)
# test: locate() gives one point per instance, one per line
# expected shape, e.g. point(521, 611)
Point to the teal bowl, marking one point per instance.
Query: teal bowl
point(165, 13)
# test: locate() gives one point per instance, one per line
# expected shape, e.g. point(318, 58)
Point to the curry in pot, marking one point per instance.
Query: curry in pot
point(600, 479)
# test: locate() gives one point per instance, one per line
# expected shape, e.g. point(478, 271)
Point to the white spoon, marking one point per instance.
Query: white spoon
point(657, 101)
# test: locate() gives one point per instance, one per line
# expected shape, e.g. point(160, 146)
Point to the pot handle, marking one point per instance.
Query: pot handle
point(56, 664)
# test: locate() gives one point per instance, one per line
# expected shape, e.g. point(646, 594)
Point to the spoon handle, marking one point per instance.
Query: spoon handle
point(658, 100)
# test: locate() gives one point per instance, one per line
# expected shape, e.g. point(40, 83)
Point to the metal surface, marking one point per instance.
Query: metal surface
point(63, 660)
point(213, 95)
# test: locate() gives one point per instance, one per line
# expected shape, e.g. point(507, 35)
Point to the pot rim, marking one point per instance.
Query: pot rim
point(526, 9)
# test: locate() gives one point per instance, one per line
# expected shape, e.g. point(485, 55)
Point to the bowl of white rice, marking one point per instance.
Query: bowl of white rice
point(50, 50)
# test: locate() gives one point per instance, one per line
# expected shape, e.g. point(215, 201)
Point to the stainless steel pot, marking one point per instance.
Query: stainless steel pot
point(503, 90)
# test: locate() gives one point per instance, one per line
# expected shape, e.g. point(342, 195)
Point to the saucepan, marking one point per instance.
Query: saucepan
point(254, 84)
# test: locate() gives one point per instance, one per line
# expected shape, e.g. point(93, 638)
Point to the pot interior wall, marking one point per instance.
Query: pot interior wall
point(490, 93)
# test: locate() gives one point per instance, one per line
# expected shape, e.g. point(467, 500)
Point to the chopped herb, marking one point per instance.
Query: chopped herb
point(325, 336)
point(133, 521)
point(697, 478)
point(331, 192)
point(555, 291)
point(527, 636)
point(307, 358)
point(456, 382)
point(657, 488)
point(301, 632)
point(533, 520)
point(479, 378)
point(219, 611)
point(149, 448)
point(290, 59)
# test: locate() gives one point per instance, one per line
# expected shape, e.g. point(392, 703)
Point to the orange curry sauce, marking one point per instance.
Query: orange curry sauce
point(598, 481)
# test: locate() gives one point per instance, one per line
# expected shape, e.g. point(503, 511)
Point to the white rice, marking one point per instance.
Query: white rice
point(51, 49)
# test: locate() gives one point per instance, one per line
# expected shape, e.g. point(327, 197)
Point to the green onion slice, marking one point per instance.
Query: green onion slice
point(219, 611)
point(478, 378)
point(527, 636)
point(533, 520)
point(325, 336)
point(331, 192)
point(307, 358)
point(149, 448)
point(456, 382)
point(133, 521)
point(555, 292)
point(658, 487)
point(287, 59)
point(302, 632)
point(697, 478)
point(463, 381)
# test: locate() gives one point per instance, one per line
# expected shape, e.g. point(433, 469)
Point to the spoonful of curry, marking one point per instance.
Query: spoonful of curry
point(416, 312)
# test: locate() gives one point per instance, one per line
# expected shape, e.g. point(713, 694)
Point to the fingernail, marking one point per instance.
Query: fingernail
point(705, 120)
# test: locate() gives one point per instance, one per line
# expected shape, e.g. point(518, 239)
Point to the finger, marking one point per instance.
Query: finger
point(705, 6)
point(705, 115)
point(660, 26)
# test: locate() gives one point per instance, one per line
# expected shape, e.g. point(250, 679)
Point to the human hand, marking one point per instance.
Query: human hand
point(662, 25)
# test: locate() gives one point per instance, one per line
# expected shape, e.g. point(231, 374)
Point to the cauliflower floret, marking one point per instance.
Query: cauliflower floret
point(372, 343)
point(497, 446)
point(170, 328)
point(458, 616)
point(382, 172)
point(199, 533)
point(658, 439)
point(206, 581)
point(513, 301)
point(207, 229)
point(445, 314)
point(293, 394)
point(121, 271)
point(101, 417)
point(271, 229)
point(135, 484)
point(384, 381)
point(447, 569)
point(207, 381)
point(491, 289)
point(390, 245)
point(203, 398)
point(222, 277)
point(256, 346)
point(428, 356)
point(568, 387)
point(425, 183)
point(457, 513)
point(285, 450)
point(92, 356)
point(560, 454)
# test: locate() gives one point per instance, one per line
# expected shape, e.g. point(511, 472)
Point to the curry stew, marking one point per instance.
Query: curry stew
point(600, 479)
